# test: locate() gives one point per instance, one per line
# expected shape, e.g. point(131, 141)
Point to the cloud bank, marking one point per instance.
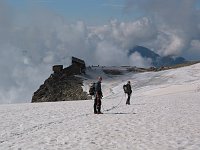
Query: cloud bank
point(32, 43)
point(177, 22)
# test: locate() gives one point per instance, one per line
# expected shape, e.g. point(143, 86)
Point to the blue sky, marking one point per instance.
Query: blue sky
point(90, 11)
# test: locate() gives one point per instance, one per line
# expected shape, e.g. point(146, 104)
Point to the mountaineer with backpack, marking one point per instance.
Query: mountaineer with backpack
point(128, 91)
point(95, 90)
point(98, 97)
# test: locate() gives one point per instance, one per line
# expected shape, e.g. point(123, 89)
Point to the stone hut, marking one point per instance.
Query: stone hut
point(77, 67)
point(79, 64)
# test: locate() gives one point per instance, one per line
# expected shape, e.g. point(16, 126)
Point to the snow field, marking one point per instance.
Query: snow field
point(164, 114)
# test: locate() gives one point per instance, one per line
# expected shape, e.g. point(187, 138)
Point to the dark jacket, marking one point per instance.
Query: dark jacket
point(98, 88)
point(129, 89)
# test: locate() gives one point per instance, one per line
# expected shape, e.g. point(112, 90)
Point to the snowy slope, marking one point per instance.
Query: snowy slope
point(164, 115)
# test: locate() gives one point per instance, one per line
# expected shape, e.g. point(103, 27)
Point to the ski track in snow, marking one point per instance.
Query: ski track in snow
point(163, 115)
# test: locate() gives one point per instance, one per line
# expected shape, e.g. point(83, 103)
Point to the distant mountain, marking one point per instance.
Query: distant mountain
point(157, 60)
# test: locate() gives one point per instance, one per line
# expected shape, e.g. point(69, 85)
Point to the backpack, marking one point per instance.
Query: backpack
point(125, 88)
point(92, 89)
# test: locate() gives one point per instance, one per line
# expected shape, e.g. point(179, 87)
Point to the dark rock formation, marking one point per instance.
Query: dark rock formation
point(60, 88)
point(62, 85)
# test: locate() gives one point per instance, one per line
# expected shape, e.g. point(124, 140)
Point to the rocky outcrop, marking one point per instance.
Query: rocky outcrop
point(60, 88)
point(63, 85)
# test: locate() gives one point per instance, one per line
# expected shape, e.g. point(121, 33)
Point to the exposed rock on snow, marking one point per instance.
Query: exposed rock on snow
point(63, 85)
point(61, 88)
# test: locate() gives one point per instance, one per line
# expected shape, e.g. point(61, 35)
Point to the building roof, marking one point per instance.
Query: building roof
point(74, 59)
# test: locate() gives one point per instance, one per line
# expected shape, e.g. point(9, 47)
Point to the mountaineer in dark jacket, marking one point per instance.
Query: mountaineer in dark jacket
point(129, 92)
point(98, 97)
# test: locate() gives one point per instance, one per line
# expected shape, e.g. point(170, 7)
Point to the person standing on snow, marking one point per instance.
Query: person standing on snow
point(98, 97)
point(129, 92)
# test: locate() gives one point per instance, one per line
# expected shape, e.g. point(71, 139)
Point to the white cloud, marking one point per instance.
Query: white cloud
point(109, 54)
point(195, 44)
point(194, 51)
point(176, 20)
point(137, 60)
point(127, 34)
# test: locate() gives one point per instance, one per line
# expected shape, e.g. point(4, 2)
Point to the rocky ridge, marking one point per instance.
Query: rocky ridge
point(60, 88)
point(63, 84)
